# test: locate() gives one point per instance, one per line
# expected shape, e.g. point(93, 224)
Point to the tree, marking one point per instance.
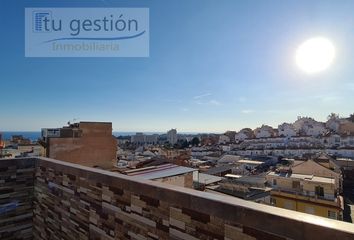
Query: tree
point(333, 116)
point(351, 117)
point(195, 141)
point(181, 144)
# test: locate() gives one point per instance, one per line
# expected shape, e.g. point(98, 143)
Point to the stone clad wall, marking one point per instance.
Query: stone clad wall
point(75, 202)
point(49, 199)
point(16, 198)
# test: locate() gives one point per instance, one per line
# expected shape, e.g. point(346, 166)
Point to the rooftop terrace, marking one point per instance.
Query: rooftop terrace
point(48, 199)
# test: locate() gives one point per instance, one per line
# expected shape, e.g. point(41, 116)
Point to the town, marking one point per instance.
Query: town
point(181, 120)
point(305, 166)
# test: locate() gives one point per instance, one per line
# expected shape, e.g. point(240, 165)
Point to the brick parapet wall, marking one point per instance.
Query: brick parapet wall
point(76, 202)
point(16, 198)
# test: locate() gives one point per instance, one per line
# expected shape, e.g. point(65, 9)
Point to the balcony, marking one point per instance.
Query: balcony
point(300, 195)
point(43, 198)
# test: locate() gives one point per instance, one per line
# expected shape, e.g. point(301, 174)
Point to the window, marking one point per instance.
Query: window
point(332, 214)
point(309, 210)
point(274, 182)
point(319, 191)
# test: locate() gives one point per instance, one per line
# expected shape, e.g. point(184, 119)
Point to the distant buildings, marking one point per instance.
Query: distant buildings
point(2, 145)
point(19, 139)
point(307, 126)
point(223, 139)
point(305, 137)
point(286, 130)
point(172, 136)
point(138, 138)
point(86, 143)
point(245, 133)
point(231, 135)
point(141, 139)
point(19, 146)
point(264, 132)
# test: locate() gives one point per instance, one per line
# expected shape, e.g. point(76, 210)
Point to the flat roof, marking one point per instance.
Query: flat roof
point(94, 122)
point(161, 171)
point(313, 178)
point(345, 159)
point(220, 169)
point(207, 178)
point(301, 176)
point(250, 162)
point(323, 180)
point(252, 179)
point(278, 174)
point(306, 177)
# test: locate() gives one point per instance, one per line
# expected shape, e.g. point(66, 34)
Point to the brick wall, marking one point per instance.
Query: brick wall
point(94, 204)
point(96, 146)
point(76, 202)
point(16, 198)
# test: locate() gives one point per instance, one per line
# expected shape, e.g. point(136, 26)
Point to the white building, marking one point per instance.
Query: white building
point(245, 133)
point(264, 132)
point(333, 123)
point(331, 140)
point(172, 136)
point(286, 130)
point(347, 141)
point(316, 130)
point(141, 138)
point(223, 139)
point(151, 139)
point(306, 126)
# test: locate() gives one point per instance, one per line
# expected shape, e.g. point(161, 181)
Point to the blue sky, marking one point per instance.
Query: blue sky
point(213, 66)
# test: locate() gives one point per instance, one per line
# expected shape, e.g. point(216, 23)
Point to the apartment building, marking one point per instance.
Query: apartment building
point(172, 136)
point(87, 143)
point(314, 191)
point(142, 139)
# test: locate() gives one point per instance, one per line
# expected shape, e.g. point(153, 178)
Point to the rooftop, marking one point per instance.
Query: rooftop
point(161, 171)
point(208, 179)
point(220, 169)
point(306, 177)
point(250, 162)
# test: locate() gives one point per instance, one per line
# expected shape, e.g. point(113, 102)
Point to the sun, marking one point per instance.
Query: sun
point(315, 55)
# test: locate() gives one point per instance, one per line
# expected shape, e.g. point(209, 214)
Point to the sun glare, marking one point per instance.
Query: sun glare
point(315, 55)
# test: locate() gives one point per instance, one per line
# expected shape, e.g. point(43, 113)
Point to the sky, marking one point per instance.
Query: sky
point(213, 66)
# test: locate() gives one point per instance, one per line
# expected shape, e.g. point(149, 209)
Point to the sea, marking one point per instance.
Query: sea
point(6, 135)
point(31, 135)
